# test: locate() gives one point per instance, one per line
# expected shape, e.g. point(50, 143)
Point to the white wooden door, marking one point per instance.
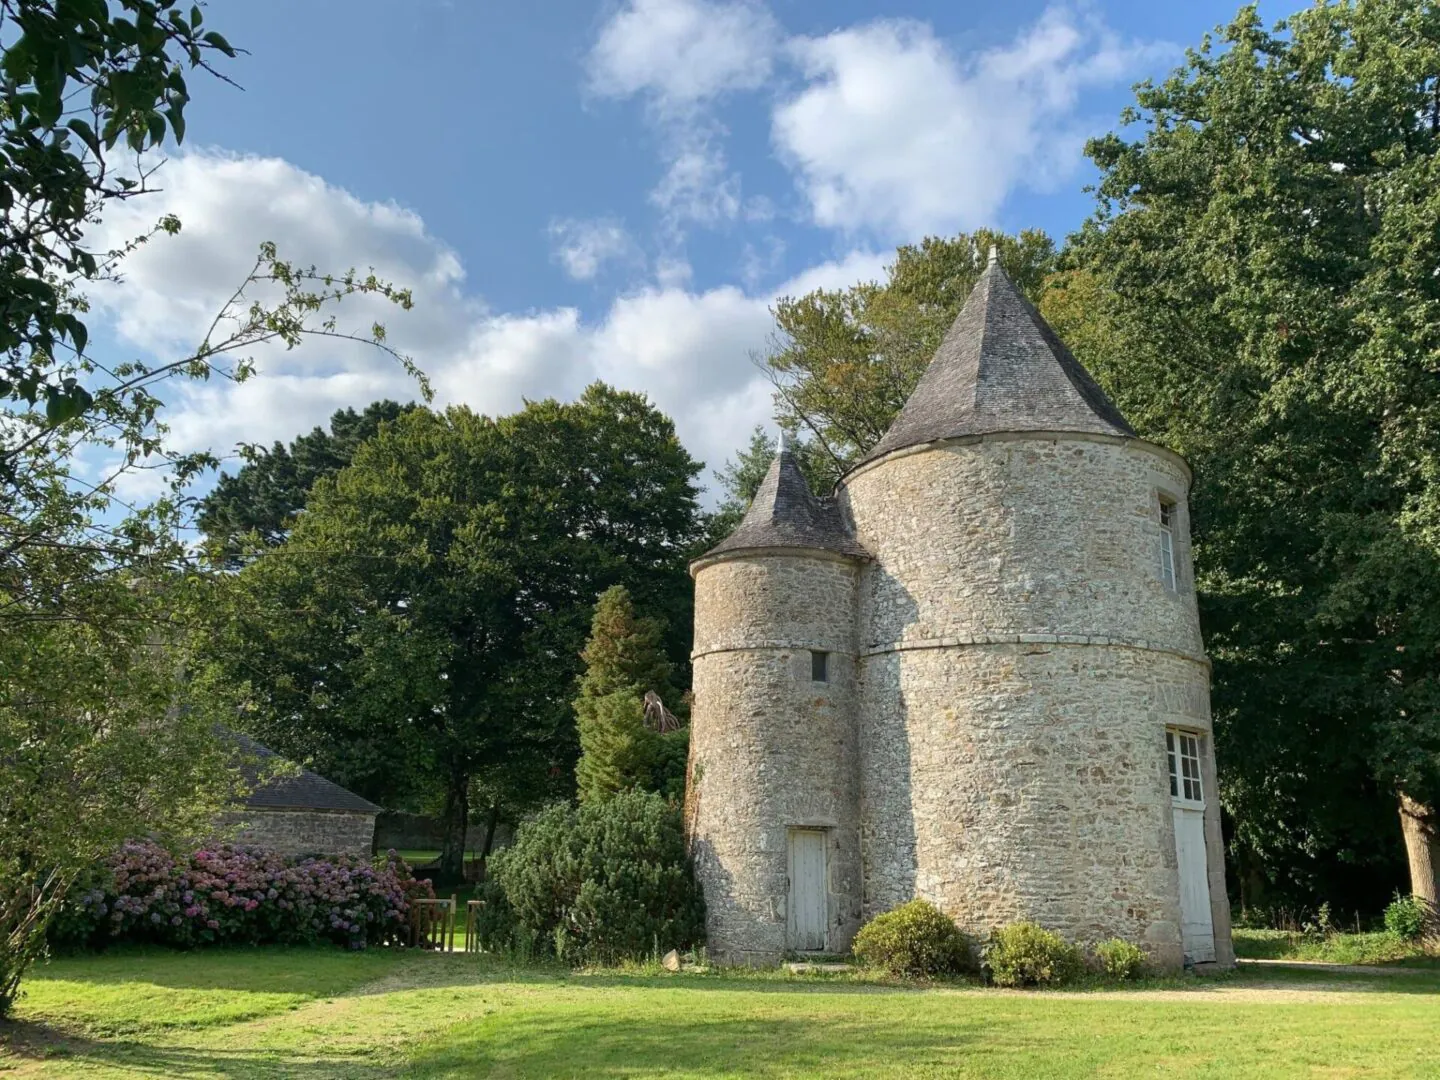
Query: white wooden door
point(807, 907)
point(1197, 926)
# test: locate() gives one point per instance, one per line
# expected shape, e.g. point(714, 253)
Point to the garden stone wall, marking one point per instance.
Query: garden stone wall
point(306, 832)
point(421, 832)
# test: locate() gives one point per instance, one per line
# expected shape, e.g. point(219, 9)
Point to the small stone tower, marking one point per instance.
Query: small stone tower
point(774, 758)
point(975, 677)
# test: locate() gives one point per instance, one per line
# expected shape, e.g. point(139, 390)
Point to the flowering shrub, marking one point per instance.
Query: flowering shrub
point(244, 895)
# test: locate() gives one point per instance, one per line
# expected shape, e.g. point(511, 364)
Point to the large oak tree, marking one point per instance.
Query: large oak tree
point(421, 627)
point(1258, 289)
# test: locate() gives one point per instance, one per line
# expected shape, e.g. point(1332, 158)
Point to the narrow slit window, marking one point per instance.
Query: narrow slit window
point(1167, 543)
point(819, 666)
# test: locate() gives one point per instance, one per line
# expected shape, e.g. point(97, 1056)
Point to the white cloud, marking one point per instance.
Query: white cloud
point(895, 134)
point(698, 186)
point(680, 53)
point(679, 56)
point(584, 247)
point(689, 351)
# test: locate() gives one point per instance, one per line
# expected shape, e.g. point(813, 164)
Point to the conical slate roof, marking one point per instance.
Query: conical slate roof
point(784, 514)
point(1000, 368)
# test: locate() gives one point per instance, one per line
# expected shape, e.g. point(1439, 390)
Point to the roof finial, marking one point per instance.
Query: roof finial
point(994, 255)
point(784, 440)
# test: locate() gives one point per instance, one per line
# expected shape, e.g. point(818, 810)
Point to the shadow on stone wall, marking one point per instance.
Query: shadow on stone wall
point(721, 903)
point(887, 811)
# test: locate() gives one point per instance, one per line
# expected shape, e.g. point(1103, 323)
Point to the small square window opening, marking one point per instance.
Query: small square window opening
point(819, 666)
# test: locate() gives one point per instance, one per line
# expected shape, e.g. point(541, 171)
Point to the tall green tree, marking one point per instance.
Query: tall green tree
point(262, 498)
point(422, 625)
point(846, 360)
point(624, 661)
point(1258, 290)
point(104, 731)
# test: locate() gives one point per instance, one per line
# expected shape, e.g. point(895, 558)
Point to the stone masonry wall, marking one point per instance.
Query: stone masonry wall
point(1017, 782)
point(1020, 659)
point(306, 832)
point(1054, 535)
point(770, 750)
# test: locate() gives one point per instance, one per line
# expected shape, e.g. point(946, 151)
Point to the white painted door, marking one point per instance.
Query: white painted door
point(807, 907)
point(1197, 927)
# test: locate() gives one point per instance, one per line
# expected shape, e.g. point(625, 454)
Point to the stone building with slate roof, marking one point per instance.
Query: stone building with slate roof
point(973, 675)
point(300, 813)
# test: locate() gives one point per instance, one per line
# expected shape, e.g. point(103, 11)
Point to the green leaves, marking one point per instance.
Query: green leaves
point(128, 56)
point(1257, 291)
point(439, 589)
point(624, 660)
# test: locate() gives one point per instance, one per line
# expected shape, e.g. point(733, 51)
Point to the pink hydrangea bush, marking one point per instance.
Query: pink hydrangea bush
point(246, 895)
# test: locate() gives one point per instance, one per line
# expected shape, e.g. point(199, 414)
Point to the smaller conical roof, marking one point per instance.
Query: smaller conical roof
point(785, 514)
point(1001, 368)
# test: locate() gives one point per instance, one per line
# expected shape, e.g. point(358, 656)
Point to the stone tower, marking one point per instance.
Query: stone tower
point(1014, 720)
point(774, 750)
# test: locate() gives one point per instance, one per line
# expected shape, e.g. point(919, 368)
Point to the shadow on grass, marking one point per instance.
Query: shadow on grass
point(327, 972)
point(716, 1045)
point(314, 971)
point(993, 1036)
point(33, 1042)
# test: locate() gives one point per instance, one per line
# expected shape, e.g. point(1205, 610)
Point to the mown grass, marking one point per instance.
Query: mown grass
point(301, 1013)
point(1372, 948)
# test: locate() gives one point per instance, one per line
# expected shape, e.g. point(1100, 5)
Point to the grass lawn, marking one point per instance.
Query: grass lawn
point(423, 857)
point(311, 1014)
point(1374, 948)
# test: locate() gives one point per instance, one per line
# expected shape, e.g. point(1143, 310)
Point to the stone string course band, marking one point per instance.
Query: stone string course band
point(977, 639)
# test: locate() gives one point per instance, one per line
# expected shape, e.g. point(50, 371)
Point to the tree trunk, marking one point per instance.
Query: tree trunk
point(492, 819)
point(1417, 822)
point(454, 819)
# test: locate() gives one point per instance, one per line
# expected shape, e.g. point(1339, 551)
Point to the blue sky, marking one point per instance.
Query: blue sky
point(617, 189)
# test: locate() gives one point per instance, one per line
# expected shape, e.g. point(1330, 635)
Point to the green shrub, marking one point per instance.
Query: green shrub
point(915, 939)
point(1023, 954)
point(604, 882)
point(1406, 917)
point(1120, 959)
point(495, 920)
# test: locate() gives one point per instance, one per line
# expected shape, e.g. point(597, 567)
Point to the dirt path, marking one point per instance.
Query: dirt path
point(1338, 969)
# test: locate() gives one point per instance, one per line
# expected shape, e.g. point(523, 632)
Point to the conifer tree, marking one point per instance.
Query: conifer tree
point(624, 659)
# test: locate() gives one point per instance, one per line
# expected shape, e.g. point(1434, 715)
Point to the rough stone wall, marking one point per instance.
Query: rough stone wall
point(1016, 782)
point(419, 832)
point(770, 750)
point(305, 832)
point(1020, 659)
point(1042, 535)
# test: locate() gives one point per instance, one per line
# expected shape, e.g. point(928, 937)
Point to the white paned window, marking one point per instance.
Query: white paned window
point(1183, 751)
point(1167, 543)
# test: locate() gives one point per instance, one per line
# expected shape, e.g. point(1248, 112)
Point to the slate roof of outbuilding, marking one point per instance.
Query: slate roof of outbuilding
point(784, 514)
point(304, 790)
point(1000, 368)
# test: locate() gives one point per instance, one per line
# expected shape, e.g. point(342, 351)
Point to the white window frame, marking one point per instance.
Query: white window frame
point(1168, 576)
point(1183, 758)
